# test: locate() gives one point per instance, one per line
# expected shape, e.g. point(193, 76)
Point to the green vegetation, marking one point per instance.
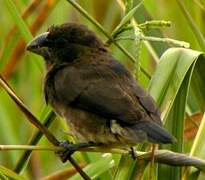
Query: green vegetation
point(152, 39)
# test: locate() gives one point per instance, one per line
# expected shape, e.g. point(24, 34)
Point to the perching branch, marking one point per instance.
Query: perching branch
point(27, 113)
point(157, 39)
point(160, 156)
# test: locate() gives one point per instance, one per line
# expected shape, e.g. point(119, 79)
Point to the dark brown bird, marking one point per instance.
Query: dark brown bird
point(98, 97)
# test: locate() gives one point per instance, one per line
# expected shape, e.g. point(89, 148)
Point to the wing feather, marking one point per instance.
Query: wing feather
point(107, 90)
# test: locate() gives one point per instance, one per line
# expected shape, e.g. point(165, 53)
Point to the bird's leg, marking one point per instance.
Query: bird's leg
point(70, 148)
point(152, 154)
point(133, 153)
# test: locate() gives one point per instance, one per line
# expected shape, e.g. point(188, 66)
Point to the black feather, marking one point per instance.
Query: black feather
point(155, 133)
point(88, 87)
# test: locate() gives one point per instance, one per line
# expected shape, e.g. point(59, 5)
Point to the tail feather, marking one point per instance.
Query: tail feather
point(155, 133)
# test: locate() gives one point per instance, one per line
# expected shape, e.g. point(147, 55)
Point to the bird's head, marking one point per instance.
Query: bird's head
point(65, 42)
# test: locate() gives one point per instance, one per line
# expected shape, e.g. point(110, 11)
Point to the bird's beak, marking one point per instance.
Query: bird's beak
point(37, 45)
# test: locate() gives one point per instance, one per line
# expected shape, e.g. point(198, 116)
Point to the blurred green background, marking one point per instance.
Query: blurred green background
point(25, 71)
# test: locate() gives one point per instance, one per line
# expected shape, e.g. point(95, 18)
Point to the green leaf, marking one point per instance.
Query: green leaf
point(18, 20)
point(175, 124)
point(128, 5)
point(169, 75)
point(124, 167)
point(197, 86)
point(94, 170)
point(9, 173)
point(48, 119)
point(169, 86)
point(126, 19)
point(192, 24)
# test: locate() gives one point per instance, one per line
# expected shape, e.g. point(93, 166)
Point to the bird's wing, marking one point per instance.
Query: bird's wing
point(107, 90)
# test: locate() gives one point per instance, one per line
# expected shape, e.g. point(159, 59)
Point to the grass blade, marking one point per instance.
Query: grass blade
point(18, 20)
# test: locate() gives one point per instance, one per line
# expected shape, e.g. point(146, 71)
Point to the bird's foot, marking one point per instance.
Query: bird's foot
point(133, 153)
point(70, 148)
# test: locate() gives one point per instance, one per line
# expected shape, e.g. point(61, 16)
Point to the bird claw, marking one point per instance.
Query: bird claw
point(70, 148)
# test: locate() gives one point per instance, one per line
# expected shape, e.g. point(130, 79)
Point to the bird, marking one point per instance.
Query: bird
point(99, 98)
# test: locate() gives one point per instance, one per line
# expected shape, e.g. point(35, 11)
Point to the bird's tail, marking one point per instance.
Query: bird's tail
point(155, 133)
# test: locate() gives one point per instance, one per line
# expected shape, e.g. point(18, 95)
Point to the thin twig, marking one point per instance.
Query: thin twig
point(147, 25)
point(157, 39)
point(30, 147)
point(27, 113)
point(154, 24)
point(90, 18)
point(36, 123)
point(160, 156)
point(147, 44)
point(35, 138)
point(82, 173)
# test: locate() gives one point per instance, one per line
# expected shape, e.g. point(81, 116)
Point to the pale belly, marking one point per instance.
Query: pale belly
point(88, 127)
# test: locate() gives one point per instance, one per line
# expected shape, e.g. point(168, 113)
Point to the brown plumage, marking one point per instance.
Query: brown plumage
point(98, 97)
